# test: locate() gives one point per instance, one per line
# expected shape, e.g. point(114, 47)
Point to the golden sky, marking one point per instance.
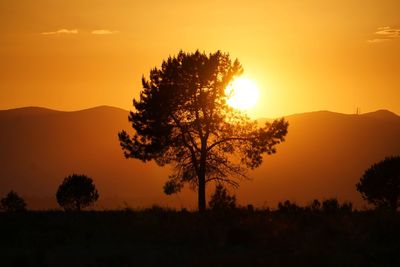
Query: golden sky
point(304, 55)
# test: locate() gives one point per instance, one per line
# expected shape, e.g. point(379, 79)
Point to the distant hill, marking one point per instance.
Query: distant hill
point(324, 155)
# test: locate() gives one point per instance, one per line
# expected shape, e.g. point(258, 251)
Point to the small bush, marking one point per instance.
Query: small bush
point(221, 200)
point(315, 205)
point(288, 206)
point(330, 205)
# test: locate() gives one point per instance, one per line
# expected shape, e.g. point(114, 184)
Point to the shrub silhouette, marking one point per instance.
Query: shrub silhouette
point(221, 200)
point(13, 203)
point(289, 207)
point(182, 118)
point(315, 205)
point(76, 192)
point(347, 207)
point(330, 205)
point(380, 184)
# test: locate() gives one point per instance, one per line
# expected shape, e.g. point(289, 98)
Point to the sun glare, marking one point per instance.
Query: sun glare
point(242, 93)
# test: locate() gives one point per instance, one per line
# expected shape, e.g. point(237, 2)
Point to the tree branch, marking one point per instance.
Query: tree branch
point(226, 140)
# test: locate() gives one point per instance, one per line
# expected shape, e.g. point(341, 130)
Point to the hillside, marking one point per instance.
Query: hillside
point(324, 155)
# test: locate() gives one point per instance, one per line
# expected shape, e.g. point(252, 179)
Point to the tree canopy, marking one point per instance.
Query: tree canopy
point(12, 202)
point(77, 191)
point(182, 118)
point(380, 184)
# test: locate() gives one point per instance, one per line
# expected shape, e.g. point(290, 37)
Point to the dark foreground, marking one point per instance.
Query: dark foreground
point(156, 237)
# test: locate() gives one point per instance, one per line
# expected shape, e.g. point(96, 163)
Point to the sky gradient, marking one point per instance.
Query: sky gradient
point(304, 55)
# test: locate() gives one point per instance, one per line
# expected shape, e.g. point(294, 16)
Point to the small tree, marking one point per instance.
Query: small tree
point(13, 203)
point(76, 192)
point(221, 200)
point(380, 184)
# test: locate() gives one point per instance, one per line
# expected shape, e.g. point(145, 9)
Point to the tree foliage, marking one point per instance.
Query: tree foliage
point(76, 192)
point(12, 202)
point(380, 184)
point(182, 118)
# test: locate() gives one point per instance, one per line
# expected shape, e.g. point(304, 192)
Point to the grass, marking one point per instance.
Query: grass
point(241, 237)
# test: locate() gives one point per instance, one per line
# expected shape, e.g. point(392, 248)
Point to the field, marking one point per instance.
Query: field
point(161, 237)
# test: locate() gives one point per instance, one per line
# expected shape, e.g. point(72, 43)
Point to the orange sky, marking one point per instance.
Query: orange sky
point(304, 55)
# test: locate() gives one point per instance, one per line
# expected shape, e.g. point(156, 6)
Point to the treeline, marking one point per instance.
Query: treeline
point(379, 186)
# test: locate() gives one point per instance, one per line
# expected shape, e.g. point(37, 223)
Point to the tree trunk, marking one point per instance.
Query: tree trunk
point(202, 178)
point(202, 191)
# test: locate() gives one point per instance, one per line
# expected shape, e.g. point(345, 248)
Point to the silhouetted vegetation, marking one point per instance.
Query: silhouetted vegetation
point(221, 199)
point(291, 235)
point(12, 202)
point(327, 206)
point(380, 184)
point(182, 119)
point(76, 192)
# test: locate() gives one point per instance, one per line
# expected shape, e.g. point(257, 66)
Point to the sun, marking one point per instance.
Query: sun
point(242, 93)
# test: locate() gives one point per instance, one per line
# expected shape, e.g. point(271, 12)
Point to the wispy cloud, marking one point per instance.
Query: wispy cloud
point(384, 34)
point(377, 40)
point(103, 32)
point(388, 32)
point(61, 31)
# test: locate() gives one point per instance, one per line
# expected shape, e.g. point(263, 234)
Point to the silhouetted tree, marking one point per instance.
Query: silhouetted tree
point(221, 200)
point(182, 118)
point(13, 203)
point(380, 184)
point(76, 192)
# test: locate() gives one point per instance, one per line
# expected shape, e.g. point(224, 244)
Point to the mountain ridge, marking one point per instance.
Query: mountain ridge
point(378, 112)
